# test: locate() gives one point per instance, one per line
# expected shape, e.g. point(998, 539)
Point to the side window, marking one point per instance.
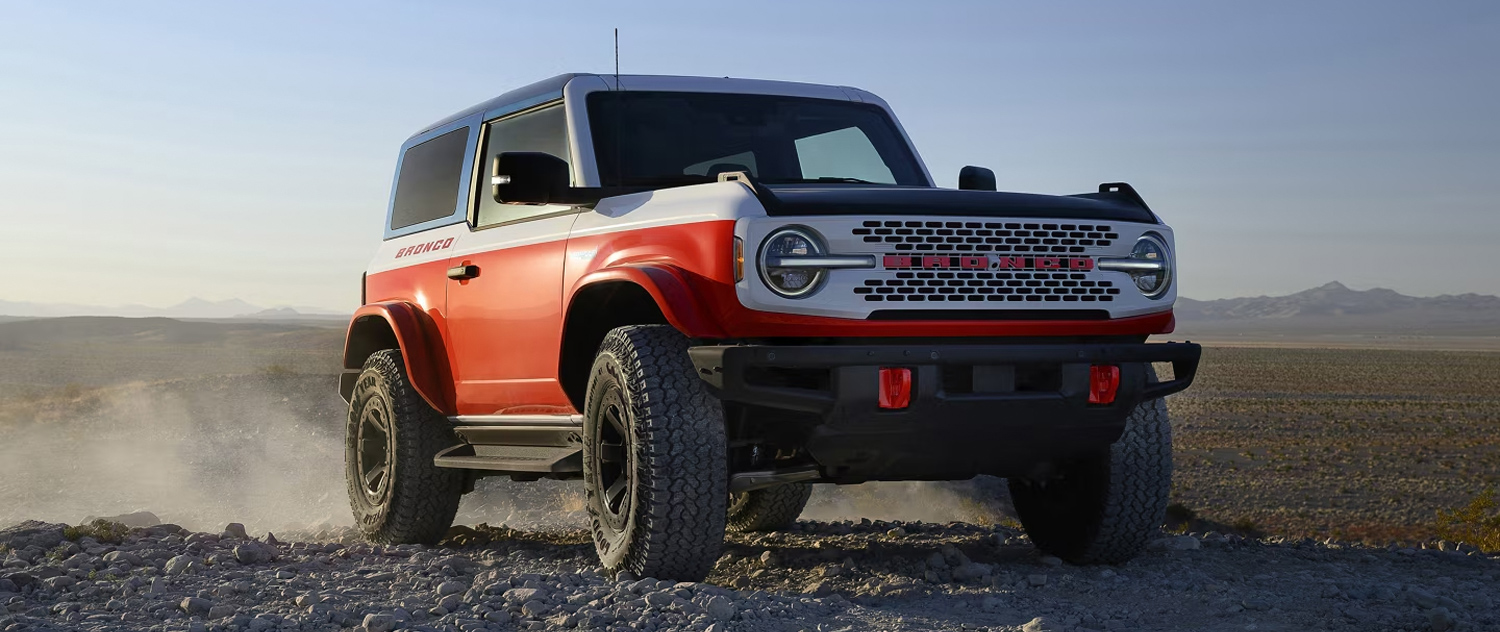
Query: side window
point(427, 187)
point(544, 130)
point(844, 153)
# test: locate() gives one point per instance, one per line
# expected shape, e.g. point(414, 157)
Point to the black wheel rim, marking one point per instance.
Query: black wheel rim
point(614, 461)
point(373, 456)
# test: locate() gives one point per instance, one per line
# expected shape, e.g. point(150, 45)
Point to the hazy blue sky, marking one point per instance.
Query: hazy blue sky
point(154, 151)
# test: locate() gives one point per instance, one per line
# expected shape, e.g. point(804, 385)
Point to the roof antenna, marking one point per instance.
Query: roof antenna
point(617, 58)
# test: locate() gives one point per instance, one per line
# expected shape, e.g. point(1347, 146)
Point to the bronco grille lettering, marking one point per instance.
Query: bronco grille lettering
point(987, 262)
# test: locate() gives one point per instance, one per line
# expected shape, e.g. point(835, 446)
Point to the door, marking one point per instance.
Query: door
point(505, 300)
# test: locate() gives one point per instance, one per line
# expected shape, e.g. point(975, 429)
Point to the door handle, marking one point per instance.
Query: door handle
point(463, 273)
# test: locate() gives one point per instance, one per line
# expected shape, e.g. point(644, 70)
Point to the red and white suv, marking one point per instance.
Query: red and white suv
point(701, 295)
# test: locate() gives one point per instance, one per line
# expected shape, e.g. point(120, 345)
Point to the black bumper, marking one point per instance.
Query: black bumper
point(975, 409)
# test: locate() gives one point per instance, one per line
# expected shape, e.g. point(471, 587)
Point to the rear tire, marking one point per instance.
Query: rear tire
point(398, 495)
point(654, 459)
point(1104, 509)
point(769, 509)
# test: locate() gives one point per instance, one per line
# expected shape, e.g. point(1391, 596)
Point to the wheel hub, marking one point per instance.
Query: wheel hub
point(372, 459)
point(614, 466)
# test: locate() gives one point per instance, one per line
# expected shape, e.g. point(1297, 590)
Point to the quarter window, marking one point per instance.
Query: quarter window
point(427, 187)
point(544, 130)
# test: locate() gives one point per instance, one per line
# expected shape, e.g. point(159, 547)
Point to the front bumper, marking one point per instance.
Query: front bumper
point(975, 409)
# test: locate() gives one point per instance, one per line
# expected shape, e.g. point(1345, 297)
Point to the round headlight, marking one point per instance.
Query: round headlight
point(791, 282)
point(1154, 282)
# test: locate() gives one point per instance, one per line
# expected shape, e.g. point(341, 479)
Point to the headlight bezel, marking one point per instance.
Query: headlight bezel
point(816, 246)
point(1167, 273)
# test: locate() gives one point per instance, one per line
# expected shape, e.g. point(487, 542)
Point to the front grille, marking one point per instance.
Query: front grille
point(1012, 288)
point(976, 285)
point(986, 237)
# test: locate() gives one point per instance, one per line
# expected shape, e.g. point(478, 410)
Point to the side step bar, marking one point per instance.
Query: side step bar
point(519, 459)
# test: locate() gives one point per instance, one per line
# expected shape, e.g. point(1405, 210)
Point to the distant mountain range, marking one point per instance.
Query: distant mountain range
point(1334, 309)
point(191, 308)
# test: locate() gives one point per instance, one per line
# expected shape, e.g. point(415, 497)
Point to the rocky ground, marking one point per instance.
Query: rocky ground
point(818, 576)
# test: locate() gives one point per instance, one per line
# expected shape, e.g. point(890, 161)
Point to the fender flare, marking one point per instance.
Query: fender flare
point(669, 286)
point(415, 334)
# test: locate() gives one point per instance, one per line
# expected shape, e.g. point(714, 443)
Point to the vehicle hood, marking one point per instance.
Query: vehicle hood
point(855, 199)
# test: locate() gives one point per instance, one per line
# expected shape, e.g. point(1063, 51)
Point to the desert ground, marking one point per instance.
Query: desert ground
point(1308, 489)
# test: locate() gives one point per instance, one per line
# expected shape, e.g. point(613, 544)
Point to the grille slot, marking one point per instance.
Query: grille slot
point(978, 285)
point(986, 237)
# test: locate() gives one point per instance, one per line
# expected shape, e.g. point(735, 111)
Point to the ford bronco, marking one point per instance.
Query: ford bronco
point(702, 295)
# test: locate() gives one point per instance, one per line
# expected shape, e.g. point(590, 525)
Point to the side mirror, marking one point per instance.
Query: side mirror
point(976, 179)
point(528, 177)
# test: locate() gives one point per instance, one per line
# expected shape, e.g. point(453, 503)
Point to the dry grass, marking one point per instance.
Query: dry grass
point(1353, 444)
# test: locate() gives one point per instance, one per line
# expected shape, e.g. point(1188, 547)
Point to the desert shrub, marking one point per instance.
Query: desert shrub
point(1178, 512)
point(1476, 524)
point(100, 530)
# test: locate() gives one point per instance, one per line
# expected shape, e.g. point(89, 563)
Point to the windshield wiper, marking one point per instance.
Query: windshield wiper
point(823, 179)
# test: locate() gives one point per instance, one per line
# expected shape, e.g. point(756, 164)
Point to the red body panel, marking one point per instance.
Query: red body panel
point(673, 264)
point(506, 325)
point(420, 338)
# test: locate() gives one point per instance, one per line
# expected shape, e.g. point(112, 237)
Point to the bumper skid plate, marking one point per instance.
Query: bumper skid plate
point(974, 409)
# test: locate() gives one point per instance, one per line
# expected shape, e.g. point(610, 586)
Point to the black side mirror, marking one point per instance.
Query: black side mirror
point(528, 177)
point(976, 179)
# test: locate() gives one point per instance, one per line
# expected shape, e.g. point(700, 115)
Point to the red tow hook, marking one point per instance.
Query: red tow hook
point(1104, 382)
point(895, 388)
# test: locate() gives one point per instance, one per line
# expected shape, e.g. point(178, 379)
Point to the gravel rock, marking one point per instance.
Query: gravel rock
point(825, 576)
point(195, 605)
point(182, 565)
point(252, 553)
point(379, 623)
point(1439, 619)
point(30, 534)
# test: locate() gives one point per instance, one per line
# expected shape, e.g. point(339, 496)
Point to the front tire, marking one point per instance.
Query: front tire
point(1104, 509)
point(769, 509)
point(654, 460)
point(398, 495)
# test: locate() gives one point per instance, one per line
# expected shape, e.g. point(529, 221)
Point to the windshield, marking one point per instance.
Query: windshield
point(665, 138)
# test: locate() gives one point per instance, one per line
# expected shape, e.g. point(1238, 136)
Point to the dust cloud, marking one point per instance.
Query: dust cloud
point(981, 501)
point(267, 451)
point(199, 453)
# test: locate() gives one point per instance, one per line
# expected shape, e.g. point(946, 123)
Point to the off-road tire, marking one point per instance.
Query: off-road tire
point(646, 406)
point(1104, 509)
point(769, 509)
point(418, 500)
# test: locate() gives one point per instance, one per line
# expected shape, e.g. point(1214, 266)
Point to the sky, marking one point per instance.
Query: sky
point(156, 151)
